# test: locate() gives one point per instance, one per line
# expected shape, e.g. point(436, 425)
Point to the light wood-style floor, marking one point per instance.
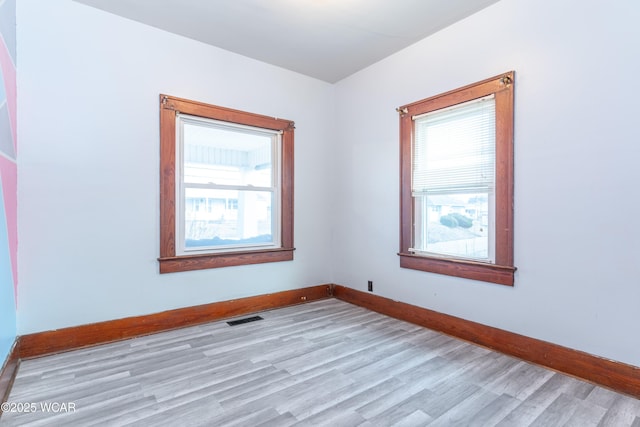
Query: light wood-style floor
point(322, 363)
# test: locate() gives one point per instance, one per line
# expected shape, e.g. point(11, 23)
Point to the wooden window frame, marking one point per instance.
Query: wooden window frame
point(502, 270)
point(169, 261)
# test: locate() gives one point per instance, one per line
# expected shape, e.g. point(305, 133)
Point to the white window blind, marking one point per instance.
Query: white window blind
point(454, 149)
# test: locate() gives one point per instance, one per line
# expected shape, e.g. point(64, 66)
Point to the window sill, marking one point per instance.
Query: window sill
point(500, 274)
point(229, 259)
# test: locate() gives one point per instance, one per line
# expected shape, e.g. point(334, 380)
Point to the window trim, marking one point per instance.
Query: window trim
point(502, 271)
point(168, 260)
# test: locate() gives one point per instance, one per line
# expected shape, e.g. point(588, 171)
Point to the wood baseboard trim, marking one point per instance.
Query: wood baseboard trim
point(615, 375)
point(9, 371)
point(60, 340)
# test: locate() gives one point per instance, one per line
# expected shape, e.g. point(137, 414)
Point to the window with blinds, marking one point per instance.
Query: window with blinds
point(456, 182)
point(453, 180)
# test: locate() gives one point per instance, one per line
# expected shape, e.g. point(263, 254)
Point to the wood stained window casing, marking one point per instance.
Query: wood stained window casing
point(502, 271)
point(169, 261)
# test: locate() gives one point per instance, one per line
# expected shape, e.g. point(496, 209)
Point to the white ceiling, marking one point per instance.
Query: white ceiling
point(325, 39)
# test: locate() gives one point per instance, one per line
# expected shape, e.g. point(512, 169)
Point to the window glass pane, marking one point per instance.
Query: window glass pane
point(227, 156)
point(456, 225)
point(222, 218)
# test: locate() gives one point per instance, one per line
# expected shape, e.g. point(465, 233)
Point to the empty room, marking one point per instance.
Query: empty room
point(319, 212)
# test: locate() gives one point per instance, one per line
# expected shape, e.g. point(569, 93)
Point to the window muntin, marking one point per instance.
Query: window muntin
point(234, 164)
point(211, 188)
point(464, 186)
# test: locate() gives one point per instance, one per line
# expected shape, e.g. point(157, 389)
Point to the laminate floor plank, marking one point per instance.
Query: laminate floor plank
point(622, 411)
point(520, 381)
point(587, 415)
point(463, 413)
point(330, 398)
point(398, 413)
point(397, 359)
point(447, 397)
point(282, 420)
point(215, 383)
point(75, 389)
point(173, 384)
point(330, 415)
point(415, 419)
point(531, 408)
point(558, 412)
point(493, 412)
point(322, 363)
point(189, 411)
point(395, 397)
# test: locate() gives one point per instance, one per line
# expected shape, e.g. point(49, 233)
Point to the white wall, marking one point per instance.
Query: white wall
point(577, 147)
point(89, 165)
point(88, 173)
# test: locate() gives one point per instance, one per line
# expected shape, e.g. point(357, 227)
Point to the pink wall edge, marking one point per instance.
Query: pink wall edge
point(8, 168)
point(9, 175)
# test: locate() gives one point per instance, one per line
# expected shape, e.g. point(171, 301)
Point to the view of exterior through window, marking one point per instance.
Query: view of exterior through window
point(456, 206)
point(229, 186)
point(455, 225)
point(226, 187)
